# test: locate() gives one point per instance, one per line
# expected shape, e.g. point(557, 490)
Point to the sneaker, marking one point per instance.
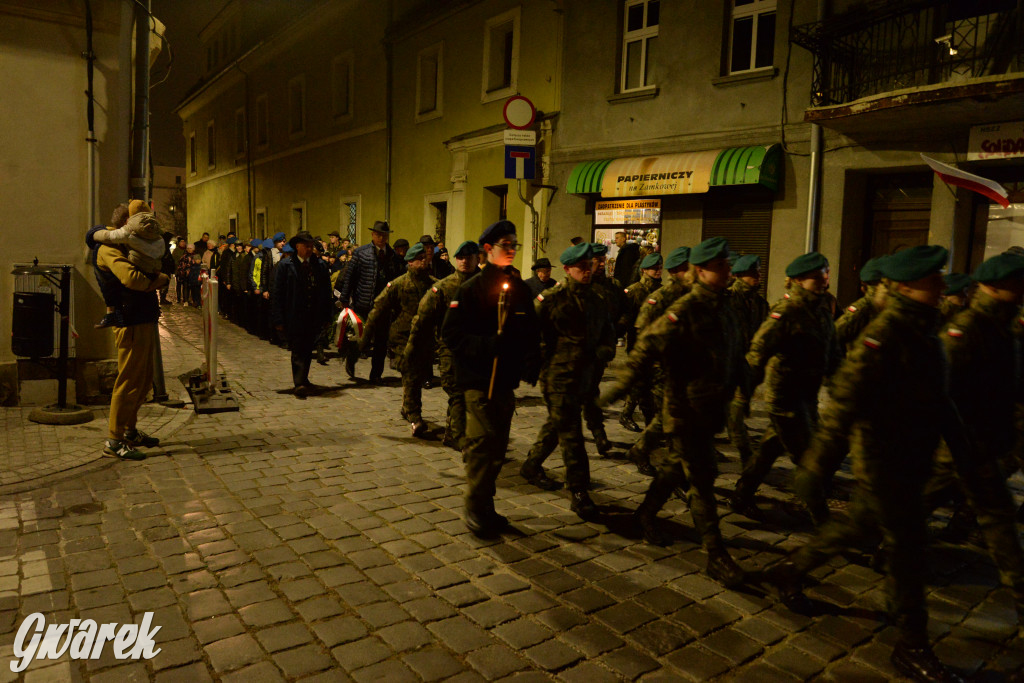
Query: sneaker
point(139, 438)
point(106, 321)
point(120, 449)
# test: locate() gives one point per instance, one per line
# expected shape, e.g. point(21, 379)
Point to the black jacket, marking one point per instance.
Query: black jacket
point(626, 264)
point(470, 331)
point(366, 277)
point(301, 307)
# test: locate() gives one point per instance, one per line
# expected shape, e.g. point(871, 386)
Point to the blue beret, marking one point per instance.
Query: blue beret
point(256, 243)
point(997, 268)
point(495, 231)
point(871, 271)
point(807, 263)
point(599, 249)
point(651, 261)
point(709, 249)
point(232, 240)
point(914, 263)
point(576, 253)
point(467, 248)
point(415, 251)
point(677, 257)
point(746, 263)
point(278, 237)
point(287, 249)
point(268, 243)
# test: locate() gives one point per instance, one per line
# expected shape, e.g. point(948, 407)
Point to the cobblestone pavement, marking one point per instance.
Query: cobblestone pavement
point(316, 540)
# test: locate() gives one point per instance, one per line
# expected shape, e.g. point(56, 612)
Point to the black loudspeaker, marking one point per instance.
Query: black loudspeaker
point(32, 327)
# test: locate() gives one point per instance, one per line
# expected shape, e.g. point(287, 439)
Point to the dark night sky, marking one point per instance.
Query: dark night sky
point(183, 19)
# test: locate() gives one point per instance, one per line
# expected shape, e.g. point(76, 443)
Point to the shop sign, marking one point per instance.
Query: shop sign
point(628, 212)
point(688, 173)
point(996, 141)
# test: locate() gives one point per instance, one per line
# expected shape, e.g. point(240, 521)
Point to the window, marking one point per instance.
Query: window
point(752, 35)
point(192, 153)
point(240, 133)
point(501, 56)
point(298, 217)
point(262, 122)
point(640, 44)
point(261, 224)
point(429, 70)
point(349, 218)
point(211, 146)
point(177, 180)
point(233, 223)
point(495, 203)
point(297, 106)
point(440, 210)
point(341, 86)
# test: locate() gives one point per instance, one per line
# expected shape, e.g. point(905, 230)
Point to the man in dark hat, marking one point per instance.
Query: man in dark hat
point(541, 280)
point(372, 267)
point(636, 294)
point(401, 246)
point(333, 242)
point(301, 305)
point(491, 328)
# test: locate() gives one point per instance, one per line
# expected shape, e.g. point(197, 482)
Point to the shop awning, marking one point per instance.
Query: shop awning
point(685, 173)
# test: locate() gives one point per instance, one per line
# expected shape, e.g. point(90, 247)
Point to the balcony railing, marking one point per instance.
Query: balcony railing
point(888, 45)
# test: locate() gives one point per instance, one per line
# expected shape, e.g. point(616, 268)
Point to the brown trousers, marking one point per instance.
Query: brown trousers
point(135, 347)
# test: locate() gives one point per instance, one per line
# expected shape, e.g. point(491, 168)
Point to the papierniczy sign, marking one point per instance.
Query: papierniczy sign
point(82, 639)
point(684, 173)
point(996, 141)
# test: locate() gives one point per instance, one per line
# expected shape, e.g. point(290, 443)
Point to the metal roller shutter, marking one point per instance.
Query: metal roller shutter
point(745, 222)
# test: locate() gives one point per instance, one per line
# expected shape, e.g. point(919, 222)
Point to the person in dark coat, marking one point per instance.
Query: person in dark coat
point(442, 266)
point(373, 266)
point(202, 244)
point(541, 280)
point(626, 260)
point(300, 305)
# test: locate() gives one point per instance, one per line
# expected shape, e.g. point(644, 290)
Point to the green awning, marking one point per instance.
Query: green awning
point(683, 173)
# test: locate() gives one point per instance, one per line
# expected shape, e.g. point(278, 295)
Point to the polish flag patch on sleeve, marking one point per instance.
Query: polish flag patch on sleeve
point(953, 332)
point(454, 304)
point(851, 309)
point(389, 284)
point(540, 297)
point(673, 317)
point(434, 290)
point(776, 315)
point(651, 301)
point(872, 343)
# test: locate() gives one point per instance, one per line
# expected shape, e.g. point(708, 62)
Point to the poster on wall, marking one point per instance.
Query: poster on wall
point(640, 219)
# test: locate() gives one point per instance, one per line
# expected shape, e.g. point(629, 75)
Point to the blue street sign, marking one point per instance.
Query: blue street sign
point(520, 162)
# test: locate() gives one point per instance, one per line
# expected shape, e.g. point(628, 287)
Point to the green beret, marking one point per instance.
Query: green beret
point(677, 257)
point(599, 249)
point(576, 253)
point(871, 271)
point(651, 261)
point(709, 249)
point(997, 268)
point(914, 263)
point(415, 251)
point(807, 263)
point(956, 283)
point(746, 263)
point(467, 248)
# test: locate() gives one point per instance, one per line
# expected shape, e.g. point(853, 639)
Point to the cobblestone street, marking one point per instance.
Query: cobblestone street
point(317, 540)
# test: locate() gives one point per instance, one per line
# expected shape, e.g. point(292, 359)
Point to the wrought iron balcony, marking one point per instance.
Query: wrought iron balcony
point(888, 45)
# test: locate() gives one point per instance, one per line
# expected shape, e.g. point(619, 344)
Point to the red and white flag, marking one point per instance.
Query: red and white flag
point(975, 183)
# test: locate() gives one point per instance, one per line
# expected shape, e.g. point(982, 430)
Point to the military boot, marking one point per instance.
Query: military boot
point(921, 664)
point(642, 461)
point(603, 445)
point(535, 474)
point(647, 514)
point(626, 416)
point(582, 505)
point(723, 569)
point(786, 582)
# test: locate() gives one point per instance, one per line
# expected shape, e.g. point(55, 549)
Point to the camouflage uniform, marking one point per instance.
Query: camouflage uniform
point(636, 294)
point(890, 401)
point(948, 309)
point(425, 337)
point(855, 318)
point(697, 344)
point(397, 305)
point(794, 349)
point(576, 332)
point(752, 309)
point(614, 299)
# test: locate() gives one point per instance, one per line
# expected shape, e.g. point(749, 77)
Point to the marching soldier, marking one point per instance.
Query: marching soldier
point(752, 309)
point(794, 350)
point(636, 294)
point(576, 332)
point(697, 344)
point(679, 285)
point(425, 336)
point(956, 297)
point(613, 298)
point(395, 307)
point(890, 403)
point(491, 328)
point(861, 312)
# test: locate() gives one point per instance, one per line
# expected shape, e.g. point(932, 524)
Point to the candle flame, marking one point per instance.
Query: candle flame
point(505, 286)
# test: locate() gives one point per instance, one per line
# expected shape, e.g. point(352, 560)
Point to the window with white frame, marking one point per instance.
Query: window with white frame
point(211, 145)
point(297, 106)
point(341, 85)
point(240, 132)
point(349, 218)
point(501, 56)
point(429, 81)
point(192, 153)
point(262, 122)
point(752, 35)
point(639, 44)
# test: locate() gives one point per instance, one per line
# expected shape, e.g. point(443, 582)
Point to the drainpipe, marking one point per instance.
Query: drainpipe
point(814, 186)
point(388, 96)
point(140, 119)
point(90, 113)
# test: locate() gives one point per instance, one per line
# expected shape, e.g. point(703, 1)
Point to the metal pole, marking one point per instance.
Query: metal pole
point(62, 360)
point(817, 150)
point(140, 117)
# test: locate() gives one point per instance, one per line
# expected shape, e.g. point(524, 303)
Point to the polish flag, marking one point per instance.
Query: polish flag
point(975, 183)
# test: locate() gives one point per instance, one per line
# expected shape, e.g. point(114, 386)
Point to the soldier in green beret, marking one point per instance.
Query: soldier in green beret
point(890, 402)
point(956, 296)
point(679, 284)
point(576, 332)
point(857, 315)
point(794, 350)
point(697, 344)
point(636, 294)
point(613, 299)
point(425, 337)
point(396, 306)
point(752, 309)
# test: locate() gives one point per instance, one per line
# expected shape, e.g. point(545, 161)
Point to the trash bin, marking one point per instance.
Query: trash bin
point(32, 327)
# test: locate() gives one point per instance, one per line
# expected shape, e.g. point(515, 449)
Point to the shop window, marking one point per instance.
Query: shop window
point(639, 44)
point(429, 74)
point(341, 86)
point(297, 106)
point(262, 122)
point(239, 133)
point(501, 56)
point(751, 35)
point(211, 145)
